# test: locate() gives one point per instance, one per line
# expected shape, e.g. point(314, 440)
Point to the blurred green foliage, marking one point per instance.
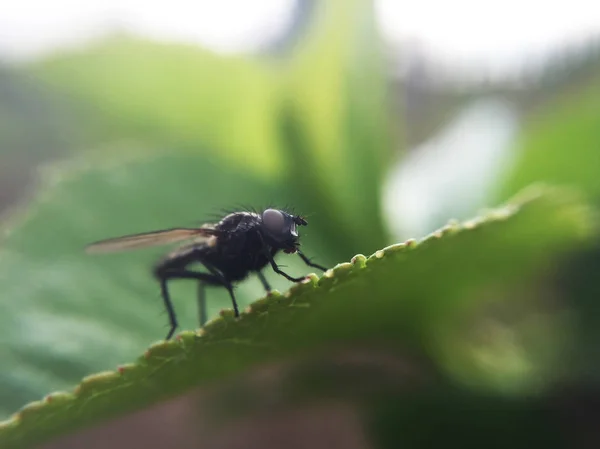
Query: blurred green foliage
point(167, 135)
point(167, 95)
point(560, 144)
point(175, 134)
point(330, 90)
point(414, 297)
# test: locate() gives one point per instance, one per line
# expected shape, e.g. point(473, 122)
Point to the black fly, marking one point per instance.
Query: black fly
point(238, 245)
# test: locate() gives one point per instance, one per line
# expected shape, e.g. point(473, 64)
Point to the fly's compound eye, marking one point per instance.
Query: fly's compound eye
point(273, 219)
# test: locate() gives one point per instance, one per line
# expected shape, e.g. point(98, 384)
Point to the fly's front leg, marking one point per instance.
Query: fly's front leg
point(308, 262)
point(277, 270)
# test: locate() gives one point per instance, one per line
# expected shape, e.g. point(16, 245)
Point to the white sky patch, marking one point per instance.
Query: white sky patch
point(452, 174)
point(499, 35)
point(29, 28)
point(496, 35)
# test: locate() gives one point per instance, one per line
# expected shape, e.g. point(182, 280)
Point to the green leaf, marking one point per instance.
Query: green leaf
point(35, 126)
point(560, 144)
point(67, 309)
point(172, 95)
point(215, 122)
point(407, 296)
point(334, 121)
point(316, 119)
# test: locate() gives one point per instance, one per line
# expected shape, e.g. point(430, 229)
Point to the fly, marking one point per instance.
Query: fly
point(240, 244)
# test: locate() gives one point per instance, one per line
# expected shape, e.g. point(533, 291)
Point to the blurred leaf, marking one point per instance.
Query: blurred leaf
point(215, 122)
point(66, 309)
point(578, 281)
point(560, 144)
point(335, 123)
point(441, 416)
point(408, 296)
point(35, 126)
point(334, 136)
point(172, 95)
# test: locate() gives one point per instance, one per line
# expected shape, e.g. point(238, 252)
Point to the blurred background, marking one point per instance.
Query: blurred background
point(460, 81)
point(378, 120)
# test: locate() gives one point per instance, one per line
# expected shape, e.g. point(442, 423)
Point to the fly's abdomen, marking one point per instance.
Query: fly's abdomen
point(180, 258)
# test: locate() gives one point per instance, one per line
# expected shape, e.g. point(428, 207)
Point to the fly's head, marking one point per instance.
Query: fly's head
point(279, 229)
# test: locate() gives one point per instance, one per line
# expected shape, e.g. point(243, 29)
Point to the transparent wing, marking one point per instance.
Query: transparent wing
point(155, 238)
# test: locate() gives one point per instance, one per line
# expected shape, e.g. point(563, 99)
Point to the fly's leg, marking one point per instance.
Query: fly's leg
point(169, 306)
point(277, 270)
point(227, 284)
point(202, 312)
point(165, 275)
point(264, 282)
point(308, 262)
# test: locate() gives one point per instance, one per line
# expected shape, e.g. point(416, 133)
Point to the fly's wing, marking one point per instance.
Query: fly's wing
point(155, 238)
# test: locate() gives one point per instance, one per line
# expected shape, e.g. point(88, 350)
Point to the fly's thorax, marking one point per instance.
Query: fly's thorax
point(238, 221)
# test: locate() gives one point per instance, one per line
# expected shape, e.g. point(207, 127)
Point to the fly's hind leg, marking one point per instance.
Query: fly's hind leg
point(165, 274)
point(164, 290)
point(227, 284)
point(264, 282)
point(202, 312)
